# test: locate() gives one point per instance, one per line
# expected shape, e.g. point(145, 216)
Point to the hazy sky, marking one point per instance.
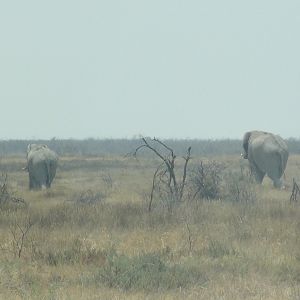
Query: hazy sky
point(165, 68)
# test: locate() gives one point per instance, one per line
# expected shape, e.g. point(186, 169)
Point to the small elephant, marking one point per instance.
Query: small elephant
point(267, 153)
point(41, 166)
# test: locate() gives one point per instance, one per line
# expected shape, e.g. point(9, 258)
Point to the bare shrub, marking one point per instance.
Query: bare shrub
point(19, 236)
point(19, 230)
point(205, 180)
point(7, 195)
point(295, 192)
point(209, 180)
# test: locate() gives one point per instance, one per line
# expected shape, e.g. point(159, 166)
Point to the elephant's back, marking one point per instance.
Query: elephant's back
point(273, 144)
point(269, 142)
point(42, 155)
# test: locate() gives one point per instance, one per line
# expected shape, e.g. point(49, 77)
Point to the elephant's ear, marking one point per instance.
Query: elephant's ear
point(246, 143)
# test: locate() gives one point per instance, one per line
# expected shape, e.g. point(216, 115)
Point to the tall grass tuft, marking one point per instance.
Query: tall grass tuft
point(239, 188)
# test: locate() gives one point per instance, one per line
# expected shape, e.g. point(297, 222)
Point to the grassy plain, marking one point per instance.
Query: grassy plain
point(91, 237)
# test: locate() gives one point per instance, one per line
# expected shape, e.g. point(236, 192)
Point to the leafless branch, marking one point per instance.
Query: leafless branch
point(165, 178)
point(153, 187)
point(18, 235)
point(295, 192)
point(190, 235)
point(164, 145)
point(187, 158)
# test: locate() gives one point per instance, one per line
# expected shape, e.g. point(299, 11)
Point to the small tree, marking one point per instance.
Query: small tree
point(165, 181)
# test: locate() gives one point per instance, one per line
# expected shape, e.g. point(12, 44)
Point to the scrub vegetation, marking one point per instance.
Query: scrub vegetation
point(92, 236)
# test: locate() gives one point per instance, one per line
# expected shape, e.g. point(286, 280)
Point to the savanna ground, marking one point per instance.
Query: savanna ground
point(91, 236)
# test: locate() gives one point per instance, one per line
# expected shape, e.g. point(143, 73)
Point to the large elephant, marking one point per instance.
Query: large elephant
point(267, 153)
point(41, 166)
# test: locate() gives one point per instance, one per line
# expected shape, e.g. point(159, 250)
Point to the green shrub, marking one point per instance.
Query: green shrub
point(145, 272)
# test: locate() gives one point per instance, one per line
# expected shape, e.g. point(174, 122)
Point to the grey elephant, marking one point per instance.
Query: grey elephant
point(267, 153)
point(41, 166)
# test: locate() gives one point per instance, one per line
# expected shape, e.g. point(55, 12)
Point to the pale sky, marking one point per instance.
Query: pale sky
point(165, 68)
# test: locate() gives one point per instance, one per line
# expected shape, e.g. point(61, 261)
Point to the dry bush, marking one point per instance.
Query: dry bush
point(205, 180)
point(7, 195)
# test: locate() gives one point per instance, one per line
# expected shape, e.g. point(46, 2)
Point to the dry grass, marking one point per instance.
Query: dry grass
point(112, 248)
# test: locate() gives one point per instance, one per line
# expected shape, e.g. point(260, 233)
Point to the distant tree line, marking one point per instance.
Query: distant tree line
point(101, 147)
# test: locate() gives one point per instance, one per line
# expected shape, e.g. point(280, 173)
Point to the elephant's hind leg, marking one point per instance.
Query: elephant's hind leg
point(258, 174)
point(277, 182)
